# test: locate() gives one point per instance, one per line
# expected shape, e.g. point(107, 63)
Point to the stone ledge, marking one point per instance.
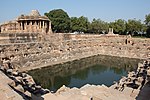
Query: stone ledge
point(6, 92)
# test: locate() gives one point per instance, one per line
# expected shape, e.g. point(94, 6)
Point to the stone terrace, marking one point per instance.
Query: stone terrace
point(64, 47)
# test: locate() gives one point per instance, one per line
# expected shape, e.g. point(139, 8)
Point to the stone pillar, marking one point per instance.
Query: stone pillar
point(46, 24)
point(49, 30)
point(36, 25)
point(40, 25)
point(25, 25)
point(32, 30)
point(43, 25)
point(31, 23)
point(29, 26)
point(21, 26)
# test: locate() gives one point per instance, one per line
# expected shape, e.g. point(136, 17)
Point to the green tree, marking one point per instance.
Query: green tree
point(74, 24)
point(134, 26)
point(119, 26)
point(83, 24)
point(60, 20)
point(98, 26)
point(79, 24)
point(148, 32)
point(147, 22)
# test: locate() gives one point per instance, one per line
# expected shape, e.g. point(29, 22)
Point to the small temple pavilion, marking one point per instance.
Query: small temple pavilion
point(32, 23)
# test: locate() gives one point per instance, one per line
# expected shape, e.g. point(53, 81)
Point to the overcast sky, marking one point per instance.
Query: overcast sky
point(107, 10)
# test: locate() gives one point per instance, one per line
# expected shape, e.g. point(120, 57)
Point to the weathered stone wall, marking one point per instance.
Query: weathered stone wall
point(72, 67)
point(6, 38)
point(125, 90)
point(58, 49)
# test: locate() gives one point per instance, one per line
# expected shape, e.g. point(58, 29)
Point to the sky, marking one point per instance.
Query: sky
point(106, 10)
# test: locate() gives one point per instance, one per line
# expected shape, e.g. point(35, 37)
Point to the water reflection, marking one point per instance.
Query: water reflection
point(92, 70)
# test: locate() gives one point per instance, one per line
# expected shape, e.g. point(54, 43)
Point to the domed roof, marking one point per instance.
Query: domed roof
point(34, 13)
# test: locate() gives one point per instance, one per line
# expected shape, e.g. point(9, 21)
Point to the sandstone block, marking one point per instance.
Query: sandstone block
point(19, 88)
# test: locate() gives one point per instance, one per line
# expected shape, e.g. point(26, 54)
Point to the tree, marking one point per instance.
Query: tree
point(83, 24)
point(134, 26)
point(60, 20)
point(147, 22)
point(74, 24)
point(79, 24)
point(119, 26)
point(98, 26)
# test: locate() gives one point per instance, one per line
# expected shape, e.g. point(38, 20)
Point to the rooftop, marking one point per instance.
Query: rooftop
point(34, 13)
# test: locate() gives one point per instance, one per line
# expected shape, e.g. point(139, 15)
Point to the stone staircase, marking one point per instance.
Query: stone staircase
point(91, 92)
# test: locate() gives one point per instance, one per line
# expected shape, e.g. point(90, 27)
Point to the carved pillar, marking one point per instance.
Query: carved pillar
point(32, 29)
point(25, 25)
point(30, 24)
point(49, 27)
point(46, 24)
point(40, 24)
point(21, 26)
point(36, 26)
point(43, 24)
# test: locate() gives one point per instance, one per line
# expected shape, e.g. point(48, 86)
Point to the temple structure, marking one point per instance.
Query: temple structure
point(32, 23)
point(26, 28)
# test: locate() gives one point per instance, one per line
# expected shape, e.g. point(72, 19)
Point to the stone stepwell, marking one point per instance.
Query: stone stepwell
point(64, 47)
point(22, 86)
point(28, 43)
point(136, 86)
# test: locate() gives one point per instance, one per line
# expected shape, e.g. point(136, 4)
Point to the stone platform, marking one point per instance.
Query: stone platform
point(92, 92)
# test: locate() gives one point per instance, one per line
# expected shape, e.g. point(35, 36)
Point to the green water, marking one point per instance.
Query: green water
point(95, 70)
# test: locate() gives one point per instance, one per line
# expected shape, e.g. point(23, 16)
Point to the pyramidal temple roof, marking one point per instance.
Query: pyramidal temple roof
point(34, 13)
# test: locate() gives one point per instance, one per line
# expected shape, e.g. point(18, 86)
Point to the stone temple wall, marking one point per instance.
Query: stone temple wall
point(6, 38)
point(58, 49)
